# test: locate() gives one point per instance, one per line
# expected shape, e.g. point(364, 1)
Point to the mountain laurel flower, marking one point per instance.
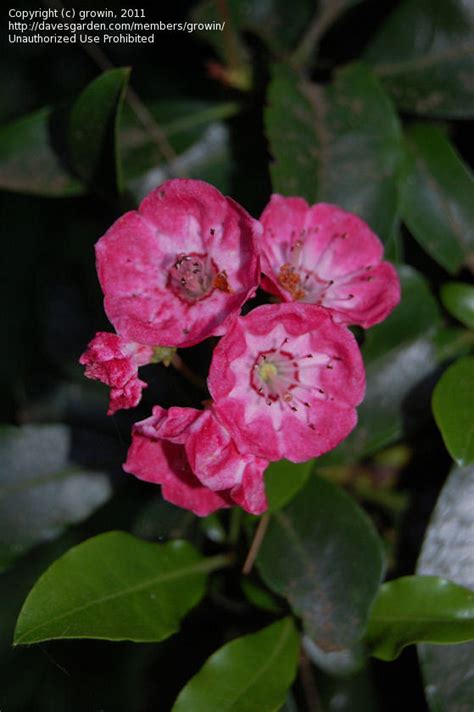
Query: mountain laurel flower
point(323, 255)
point(195, 460)
point(286, 380)
point(179, 268)
point(115, 362)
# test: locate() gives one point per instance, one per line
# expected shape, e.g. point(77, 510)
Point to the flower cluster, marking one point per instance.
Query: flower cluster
point(285, 379)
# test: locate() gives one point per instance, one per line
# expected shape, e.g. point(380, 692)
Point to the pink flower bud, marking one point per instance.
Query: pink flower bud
point(115, 362)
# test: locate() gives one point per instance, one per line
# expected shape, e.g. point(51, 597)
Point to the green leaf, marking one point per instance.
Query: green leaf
point(458, 299)
point(28, 161)
point(340, 662)
point(448, 551)
point(283, 480)
point(258, 596)
point(160, 519)
point(341, 144)
point(322, 554)
point(249, 674)
point(115, 587)
point(41, 490)
point(415, 609)
point(183, 123)
point(425, 55)
point(398, 354)
point(453, 408)
point(93, 131)
point(203, 153)
point(437, 198)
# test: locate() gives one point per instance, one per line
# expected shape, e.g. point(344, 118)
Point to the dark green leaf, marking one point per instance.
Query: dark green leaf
point(93, 131)
point(453, 408)
point(249, 674)
point(209, 158)
point(425, 55)
point(211, 527)
point(448, 551)
point(28, 161)
point(338, 662)
point(41, 490)
point(183, 124)
point(341, 144)
point(259, 597)
point(437, 198)
point(458, 299)
point(283, 480)
point(322, 553)
point(115, 587)
point(161, 520)
point(398, 354)
point(416, 609)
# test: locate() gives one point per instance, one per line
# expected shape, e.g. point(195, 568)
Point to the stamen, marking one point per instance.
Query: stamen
point(194, 277)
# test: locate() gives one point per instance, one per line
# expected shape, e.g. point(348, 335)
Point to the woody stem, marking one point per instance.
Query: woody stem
point(187, 373)
point(256, 543)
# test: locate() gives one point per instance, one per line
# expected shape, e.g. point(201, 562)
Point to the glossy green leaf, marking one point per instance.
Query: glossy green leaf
point(29, 162)
point(448, 551)
point(208, 158)
point(453, 408)
point(340, 145)
point(398, 354)
point(322, 554)
point(41, 490)
point(458, 299)
point(437, 198)
point(93, 131)
point(115, 587)
point(424, 53)
point(337, 662)
point(416, 609)
point(249, 674)
point(183, 123)
point(283, 480)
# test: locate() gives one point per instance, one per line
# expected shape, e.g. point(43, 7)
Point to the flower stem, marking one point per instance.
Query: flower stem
point(212, 563)
point(230, 43)
point(256, 543)
point(308, 684)
point(187, 373)
point(234, 526)
point(321, 21)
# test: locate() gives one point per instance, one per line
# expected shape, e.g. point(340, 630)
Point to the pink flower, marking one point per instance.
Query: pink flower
point(115, 362)
point(194, 459)
point(329, 257)
point(178, 270)
point(285, 380)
